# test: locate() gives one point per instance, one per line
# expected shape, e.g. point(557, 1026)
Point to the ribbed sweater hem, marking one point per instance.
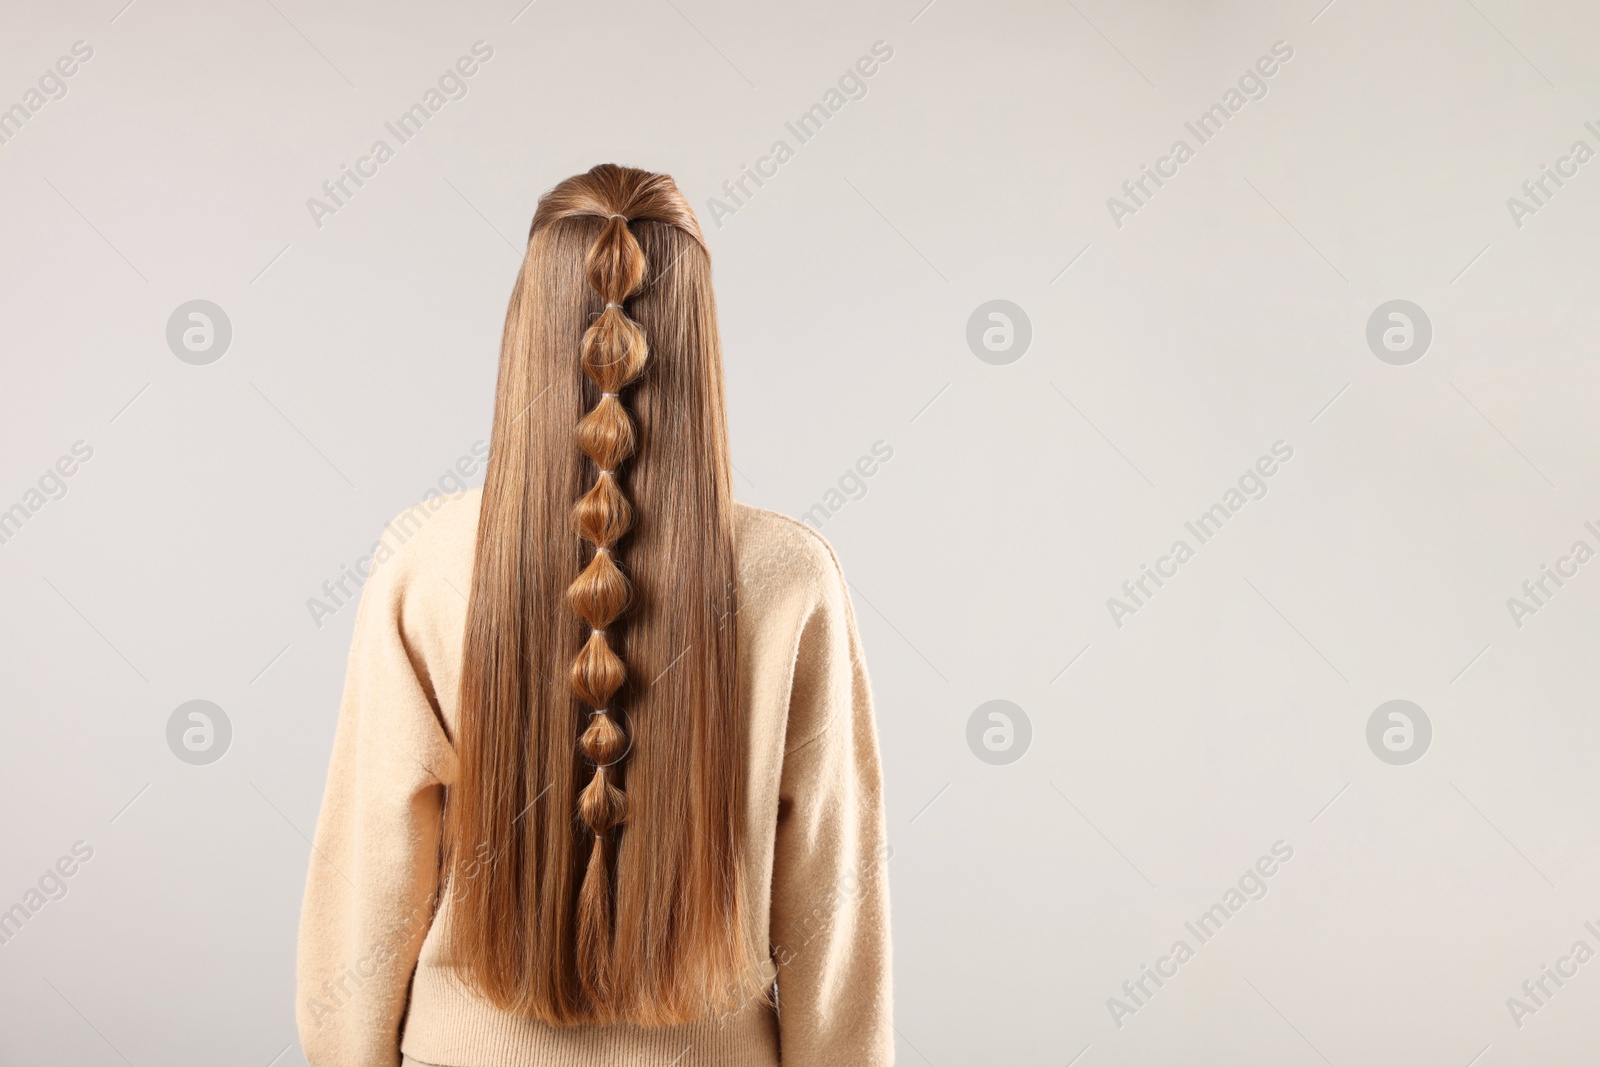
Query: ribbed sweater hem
point(450, 1026)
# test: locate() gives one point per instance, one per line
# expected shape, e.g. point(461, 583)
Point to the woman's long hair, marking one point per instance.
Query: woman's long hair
point(594, 838)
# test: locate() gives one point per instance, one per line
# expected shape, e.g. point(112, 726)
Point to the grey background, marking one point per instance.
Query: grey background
point(1167, 354)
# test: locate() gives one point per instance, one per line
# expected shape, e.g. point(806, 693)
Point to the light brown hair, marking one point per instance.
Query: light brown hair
point(595, 835)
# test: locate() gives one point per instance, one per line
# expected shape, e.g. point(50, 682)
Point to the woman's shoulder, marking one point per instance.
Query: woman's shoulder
point(435, 538)
point(777, 549)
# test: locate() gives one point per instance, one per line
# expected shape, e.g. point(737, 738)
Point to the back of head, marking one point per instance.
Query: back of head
point(595, 834)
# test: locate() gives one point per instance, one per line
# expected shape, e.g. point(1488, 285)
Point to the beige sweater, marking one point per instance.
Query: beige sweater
point(373, 976)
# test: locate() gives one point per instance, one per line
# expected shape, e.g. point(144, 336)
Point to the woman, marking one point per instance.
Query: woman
point(605, 786)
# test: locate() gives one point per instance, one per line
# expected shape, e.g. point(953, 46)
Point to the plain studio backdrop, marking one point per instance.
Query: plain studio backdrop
point(1177, 323)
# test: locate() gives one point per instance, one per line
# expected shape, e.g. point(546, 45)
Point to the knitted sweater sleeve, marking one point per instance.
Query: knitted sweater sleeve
point(373, 877)
point(830, 894)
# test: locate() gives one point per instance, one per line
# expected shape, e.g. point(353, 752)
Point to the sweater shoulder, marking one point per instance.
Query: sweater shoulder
point(795, 609)
point(778, 556)
point(432, 539)
point(441, 529)
point(777, 549)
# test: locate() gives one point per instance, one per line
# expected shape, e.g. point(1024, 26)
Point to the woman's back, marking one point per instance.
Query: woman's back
point(379, 903)
point(605, 785)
